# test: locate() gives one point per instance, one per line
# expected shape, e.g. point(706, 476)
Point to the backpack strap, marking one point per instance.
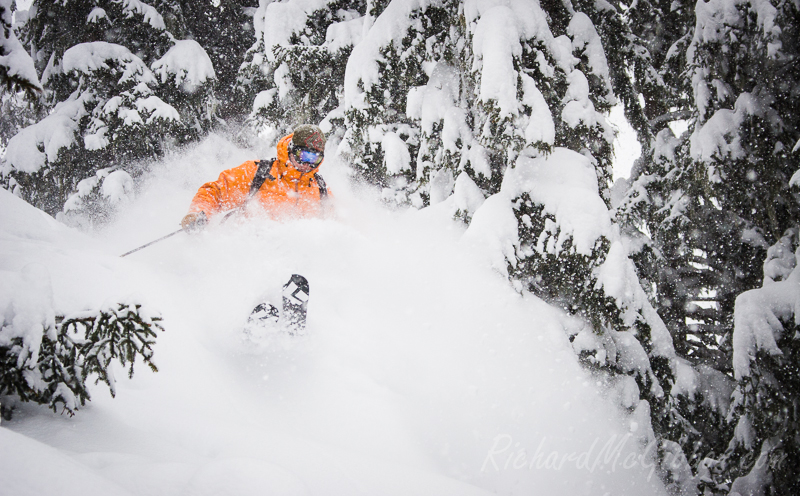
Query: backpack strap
point(262, 174)
point(323, 188)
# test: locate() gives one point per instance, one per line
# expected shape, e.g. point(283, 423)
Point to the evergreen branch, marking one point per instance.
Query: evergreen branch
point(670, 117)
point(85, 343)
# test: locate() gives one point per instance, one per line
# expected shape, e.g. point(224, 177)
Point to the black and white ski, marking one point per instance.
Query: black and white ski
point(295, 304)
point(292, 317)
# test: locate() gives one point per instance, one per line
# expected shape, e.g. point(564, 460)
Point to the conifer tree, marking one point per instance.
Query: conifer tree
point(51, 367)
point(744, 75)
point(763, 453)
point(294, 73)
point(565, 246)
point(19, 82)
point(119, 88)
point(709, 229)
point(404, 48)
point(225, 30)
point(16, 67)
point(715, 198)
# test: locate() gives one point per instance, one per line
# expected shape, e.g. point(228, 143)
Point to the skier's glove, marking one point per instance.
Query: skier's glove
point(194, 221)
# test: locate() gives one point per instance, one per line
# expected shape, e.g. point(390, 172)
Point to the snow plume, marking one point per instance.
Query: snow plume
point(422, 372)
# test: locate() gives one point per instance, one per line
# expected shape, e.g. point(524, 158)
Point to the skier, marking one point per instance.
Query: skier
point(286, 187)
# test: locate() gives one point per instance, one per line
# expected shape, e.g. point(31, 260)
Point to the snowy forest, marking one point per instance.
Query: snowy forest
point(486, 266)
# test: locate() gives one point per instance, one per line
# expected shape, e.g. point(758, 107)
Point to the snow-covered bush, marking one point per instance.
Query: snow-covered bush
point(47, 358)
point(98, 198)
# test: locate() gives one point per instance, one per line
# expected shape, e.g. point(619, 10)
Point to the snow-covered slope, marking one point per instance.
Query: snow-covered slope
point(422, 371)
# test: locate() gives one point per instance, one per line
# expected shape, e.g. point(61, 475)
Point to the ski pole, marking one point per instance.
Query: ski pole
point(151, 243)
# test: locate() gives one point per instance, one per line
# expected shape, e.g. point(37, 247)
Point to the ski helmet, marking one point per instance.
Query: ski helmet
point(309, 137)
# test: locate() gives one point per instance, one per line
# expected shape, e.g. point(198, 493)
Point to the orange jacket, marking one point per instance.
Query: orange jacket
point(289, 194)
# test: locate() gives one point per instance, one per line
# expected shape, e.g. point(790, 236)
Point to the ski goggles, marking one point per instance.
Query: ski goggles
point(308, 157)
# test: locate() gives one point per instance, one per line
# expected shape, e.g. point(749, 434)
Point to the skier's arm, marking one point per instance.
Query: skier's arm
point(228, 192)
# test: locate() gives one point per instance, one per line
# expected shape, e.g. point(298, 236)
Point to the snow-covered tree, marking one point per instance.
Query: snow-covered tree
point(465, 87)
point(764, 452)
point(19, 82)
point(120, 88)
point(713, 199)
point(294, 73)
point(404, 48)
point(16, 66)
point(704, 197)
point(650, 44)
point(745, 81)
point(224, 28)
point(717, 197)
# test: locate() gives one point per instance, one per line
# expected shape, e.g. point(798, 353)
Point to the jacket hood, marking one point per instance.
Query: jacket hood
point(284, 169)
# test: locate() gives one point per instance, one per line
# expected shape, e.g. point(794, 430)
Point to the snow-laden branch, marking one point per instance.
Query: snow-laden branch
point(759, 318)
